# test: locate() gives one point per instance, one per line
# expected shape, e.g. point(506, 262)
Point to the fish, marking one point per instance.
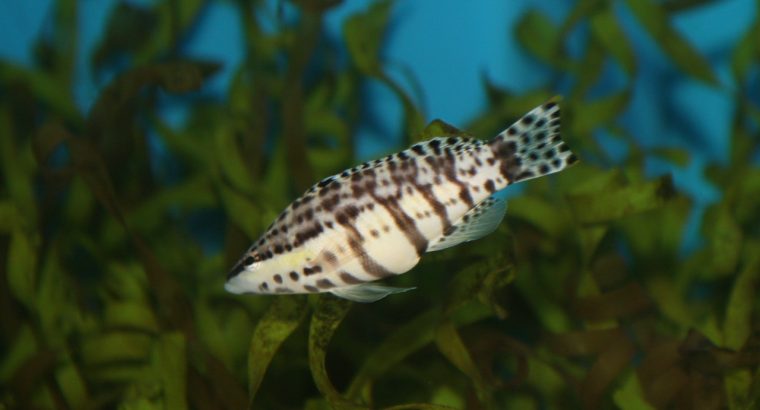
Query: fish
point(376, 220)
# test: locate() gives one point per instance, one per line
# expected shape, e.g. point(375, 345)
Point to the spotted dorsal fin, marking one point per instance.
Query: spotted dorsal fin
point(478, 222)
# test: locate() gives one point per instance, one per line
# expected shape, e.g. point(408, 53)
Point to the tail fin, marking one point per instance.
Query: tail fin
point(532, 146)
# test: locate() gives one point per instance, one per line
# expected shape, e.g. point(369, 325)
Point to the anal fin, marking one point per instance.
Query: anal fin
point(366, 292)
point(478, 222)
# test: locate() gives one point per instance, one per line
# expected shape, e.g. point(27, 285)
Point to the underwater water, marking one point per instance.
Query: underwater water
point(146, 144)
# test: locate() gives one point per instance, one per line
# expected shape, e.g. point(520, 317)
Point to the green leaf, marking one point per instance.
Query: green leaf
point(742, 300)
point(615, 204)
point(590, 237)
point(452, 347)
point(119, 374)
point(229, 158)
point(65, 40)
point(333, 148)
point(186, 196)
point(656, 21)
point(676, 156)
point(541, 37)
point(582, 9)
point(194, 150)
point(9, 217)
point(114, 347)
point(170, 362)
point(585, 117)
point(413, 118)
point(606, 29)
point(590, 180)
point(739, 389)
point(589, 70)
point(281, 319)
point(445, 395)
point(746, 52)
point(420, 406)
point(545, 377)
point(552, 316)
point(242, 210)
point(128, 28)
point(130, 315)
point(174, 18)
point(72, 384)
point(724, 236)
point(45, 88)
point(22, 269)
point(405, 340)
point(221, 330)
point(481, 281)
point(277, 179)
point(630, 396)
point(658, 231)
point(746, 198)
point(31, 375)
point(539, 212)
point(184, 76)
point(364, 33)
point(328, 314)
point(20, 349)
point(17, 168)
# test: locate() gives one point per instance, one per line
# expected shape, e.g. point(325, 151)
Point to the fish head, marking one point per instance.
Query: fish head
point(242, 278)
point(260, 270)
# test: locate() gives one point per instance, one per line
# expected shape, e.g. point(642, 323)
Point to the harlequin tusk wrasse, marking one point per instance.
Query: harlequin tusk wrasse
point(377, 219)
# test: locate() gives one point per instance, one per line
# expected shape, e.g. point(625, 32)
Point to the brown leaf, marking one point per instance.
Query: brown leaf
point(619, 303)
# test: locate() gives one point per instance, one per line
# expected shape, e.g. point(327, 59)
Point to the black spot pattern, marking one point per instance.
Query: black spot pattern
point(532, 147)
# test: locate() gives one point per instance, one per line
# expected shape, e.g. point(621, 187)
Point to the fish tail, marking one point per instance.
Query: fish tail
point(532, 146)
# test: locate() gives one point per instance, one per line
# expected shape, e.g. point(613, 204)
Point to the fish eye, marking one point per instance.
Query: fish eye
point(251, 259)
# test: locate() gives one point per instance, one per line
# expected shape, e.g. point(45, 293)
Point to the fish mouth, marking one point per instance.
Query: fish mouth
point(236, 285)
point(239, 267)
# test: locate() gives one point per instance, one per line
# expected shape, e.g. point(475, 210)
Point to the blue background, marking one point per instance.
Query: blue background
point(449, 47)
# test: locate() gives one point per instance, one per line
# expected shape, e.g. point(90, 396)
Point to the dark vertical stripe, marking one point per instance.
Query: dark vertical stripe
point(450, 172)
point(438, 207)
point(369, 265)
point(349, 279)
point(345, 217)
point(330, 258)
point(325, 284)
point(405, 223)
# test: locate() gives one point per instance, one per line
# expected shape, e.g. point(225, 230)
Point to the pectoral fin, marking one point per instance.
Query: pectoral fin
point(478, 222)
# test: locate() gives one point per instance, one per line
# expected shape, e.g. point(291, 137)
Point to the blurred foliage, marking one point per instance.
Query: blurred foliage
point(114, 251)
